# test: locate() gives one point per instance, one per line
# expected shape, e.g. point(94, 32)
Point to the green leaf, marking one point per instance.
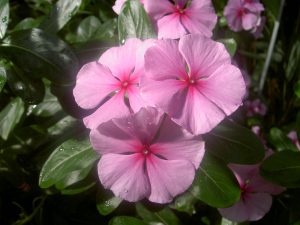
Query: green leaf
point(234, 144)
point(293, 63)
point(230, 45)
point(4, 17)
point(282, 168)
point(165, 216)
point(3, 77)
point(281, 141)
point(125, 220)
point(10, 116)
point(273, 6)
point(133, 21)
point(41, 54)
point(215, 184)
point(28, 23)
point(107, 204)
point(185, 203)
point(79, 187)
point(60, 14)
point(72, 155)
point(297, 89)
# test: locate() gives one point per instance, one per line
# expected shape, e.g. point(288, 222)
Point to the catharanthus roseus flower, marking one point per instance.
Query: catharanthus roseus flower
point(256, 199)
point(146, 155)
point(244, 15)
point(174, 19)
point(255, 107)
point(193, 81)
point(292, 135)
point(103, 85)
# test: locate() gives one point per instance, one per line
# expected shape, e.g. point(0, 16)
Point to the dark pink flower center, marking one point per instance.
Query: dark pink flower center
point(146, 150)
point(191, 81)
point(179, 9)
point(240, 12)
point(245, 189)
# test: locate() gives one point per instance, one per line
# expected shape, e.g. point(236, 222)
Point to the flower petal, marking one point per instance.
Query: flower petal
point(218, 88)
point(253, 207)
point(170, 26)
point(114, 107)
point(124, 175)
point(168, 178)
point(249, 21)
point(121, 60)
point(203, 56)
point(163, 61)
point(135, 100)
point(176, 143)
point(118, 6)
point(94, 82)
point(157, 8)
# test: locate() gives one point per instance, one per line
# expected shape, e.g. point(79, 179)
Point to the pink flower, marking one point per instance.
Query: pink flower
point(255, 107)
point(243, 14)
point(193, 81)
point(256, 199)
point(174, 20)
point(146, 155)
point(292, 135)
point(103, 85)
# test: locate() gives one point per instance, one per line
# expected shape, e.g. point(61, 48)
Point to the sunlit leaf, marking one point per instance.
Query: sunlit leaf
point(4, 17)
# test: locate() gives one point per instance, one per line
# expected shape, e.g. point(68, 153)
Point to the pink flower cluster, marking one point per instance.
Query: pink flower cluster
point(245, 15)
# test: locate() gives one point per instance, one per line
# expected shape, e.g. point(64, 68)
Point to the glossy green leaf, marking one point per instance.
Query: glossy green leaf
point(235, 144)
point(165, 216)
point(215, 184)
point(28, 23)
point(106, 204)
point(281, 141)
point(133, 21)
point(10, 116)
point(125, 220)
point(79, 187)
point(60, 14)
point(282, 168)
point(4, 17)
point(3, 77)
point(41, 54)
point(230, 45)
point(185, 203)
point(72, 155)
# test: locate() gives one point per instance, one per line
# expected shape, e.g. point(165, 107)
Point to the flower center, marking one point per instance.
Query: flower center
point(125, 84)
point(179, 9)
point(240, 12)
point(146, 150)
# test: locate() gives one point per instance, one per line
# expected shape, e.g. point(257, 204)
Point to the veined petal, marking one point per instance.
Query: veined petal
point(124, 175)
point(94, 82)
point(218, 88)
point(170, 26)
point(157, 8)
point(202, 55)
point(163, 61)
point(176, 143)
point(135, 100)
point(112, 108)
point(121, 60)
point(168, 178)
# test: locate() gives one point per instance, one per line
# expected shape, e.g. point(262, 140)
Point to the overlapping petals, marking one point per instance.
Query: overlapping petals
point(139, 162)
point(193, 81)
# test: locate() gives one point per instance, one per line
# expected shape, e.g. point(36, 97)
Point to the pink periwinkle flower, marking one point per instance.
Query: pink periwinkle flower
point(174, 20)
point(146, 155)
point(106, 84)
point(292, 135)
point(255, 107)
point(256, 194)
point(244, 15)
point(193, 81)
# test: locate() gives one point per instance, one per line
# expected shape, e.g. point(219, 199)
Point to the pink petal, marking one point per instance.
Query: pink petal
point(254, 7)
point(231, 14)
point(176, 143)
point(180, 3)
point(170, 26)
point(135, 100)
point(158, 8)
point(118, 6)
point(253, 207)
point(218, 88)
point(108, 137)
point(259, 184)
point(114, 107)
point(203, 56)
point(199, 115)
point(124, 175)
point(94, 82)
point(168, 178)
point(249, 21)
point(163, 61)
point(121, 60)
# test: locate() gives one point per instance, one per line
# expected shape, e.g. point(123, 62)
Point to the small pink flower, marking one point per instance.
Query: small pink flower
point(193, 81)
point(103, 85)
point(146, 155)
point(174, 20)
point(292, 135)
point(243, 14)
point(256, 199)
point(256, 107)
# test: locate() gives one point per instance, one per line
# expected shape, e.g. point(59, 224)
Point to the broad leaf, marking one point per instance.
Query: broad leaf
point(133, 21)
point(215, 184)
point(282, 168)
point(185, 203)
point(41, 54)
point(28, 23)
point(10, 116)
point(125, 220)
point(60, 14)
point(4, 17)
point(281, 141)
point(71, 156)
point(3, 77)
point(235, 144)
point(106, 203)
